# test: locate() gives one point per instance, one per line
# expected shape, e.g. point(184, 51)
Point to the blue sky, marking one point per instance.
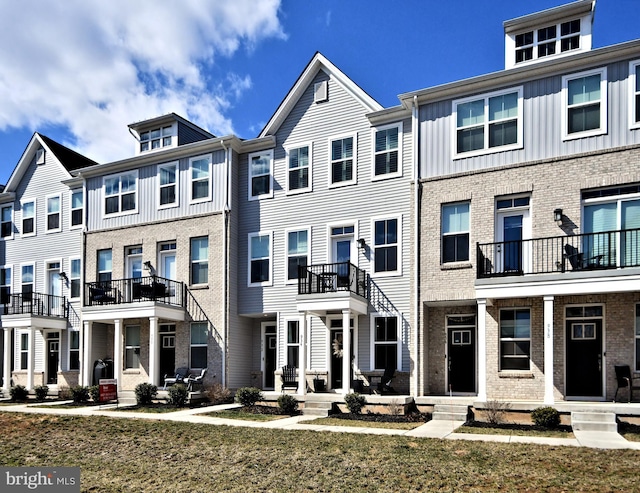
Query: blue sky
point(84, 70)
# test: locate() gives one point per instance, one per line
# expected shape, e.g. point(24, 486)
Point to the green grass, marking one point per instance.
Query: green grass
point(244, 415)
point(153, 409)
point(362, 424)
point(515, 432)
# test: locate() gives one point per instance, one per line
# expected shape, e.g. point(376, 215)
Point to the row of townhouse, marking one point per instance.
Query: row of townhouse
point(481, 238)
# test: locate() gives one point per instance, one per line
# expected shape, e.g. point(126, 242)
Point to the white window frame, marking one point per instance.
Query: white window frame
point(397, 244)
point(22, 351)
point(175, 184)
point(120, 212)
point(71, 350)
point(269, 155)
point(250, 236)
point(354, 158)
point(132, 347)
point(192, 262)
point(602, 72)
point(59, 213)
point(290, 344)
point(286, 251)
point(374, 343)
point(209, 179)
point(40, 155)
point(374, 131)
point(454, 233)
point(165, 131)
point(73, 209)
point(288, 150)
point(2, 222)
point(514, 339)
point(23, 202)
point(98, 271)
point(8, 284)
point(33, 282)
point(556, 41)
point(75, 278)
point(199, 345)
point(519, 144)
point(634, 94)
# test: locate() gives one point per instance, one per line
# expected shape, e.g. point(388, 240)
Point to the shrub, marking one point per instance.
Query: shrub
point(94, 391)
point(355, 402)
point(64, 393)
point(145, 392)
point(18, 393)
point(41, 392)
point(495, 411)
point(80, 394)
point(288, 404)
point(218, 394)
point(547, 417)
point(248, 396)
point(178, 395)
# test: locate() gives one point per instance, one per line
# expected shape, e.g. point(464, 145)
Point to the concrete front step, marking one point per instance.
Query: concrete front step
point(317, 408)
point(594, 421)
point(450, 412)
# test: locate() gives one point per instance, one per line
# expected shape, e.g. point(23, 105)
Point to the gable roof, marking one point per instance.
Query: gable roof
point(317, 63)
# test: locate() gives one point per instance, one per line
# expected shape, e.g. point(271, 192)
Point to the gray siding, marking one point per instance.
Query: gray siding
point(187, 135)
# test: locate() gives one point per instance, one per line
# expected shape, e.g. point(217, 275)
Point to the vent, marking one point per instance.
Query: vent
point(320, 92)
point(40, 156)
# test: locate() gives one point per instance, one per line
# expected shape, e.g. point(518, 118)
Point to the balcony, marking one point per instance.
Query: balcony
point(36, 305)
point(608, 250)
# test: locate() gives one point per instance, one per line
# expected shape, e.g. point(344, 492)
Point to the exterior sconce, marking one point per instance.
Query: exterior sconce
point(147, 265)
point(361, 243)
point(557, 216)
point(63, 277)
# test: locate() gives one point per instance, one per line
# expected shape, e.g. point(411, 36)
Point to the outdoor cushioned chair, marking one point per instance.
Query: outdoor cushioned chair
point(180, 375)
point(624, 379)
point(197, 380)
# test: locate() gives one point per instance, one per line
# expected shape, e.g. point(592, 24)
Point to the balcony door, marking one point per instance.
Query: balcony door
point(134, 271)
point(342, 249)
point(54, 286)
point(513, 225)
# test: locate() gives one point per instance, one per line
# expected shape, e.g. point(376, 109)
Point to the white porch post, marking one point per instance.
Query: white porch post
point(482, 350)
point(302, 354)
point(117, 351)
point(154, 350)
point(548, 350)
point(31, 357)
point(7, 358)
point(85, 353)
point(346, 352)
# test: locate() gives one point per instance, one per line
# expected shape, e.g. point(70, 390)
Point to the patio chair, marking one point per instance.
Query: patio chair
point(197, 380)
point(289, 377)
point(180, 375)
point(384, 385)
point(625, 380)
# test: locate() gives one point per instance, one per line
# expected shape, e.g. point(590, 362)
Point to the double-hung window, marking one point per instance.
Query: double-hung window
point(634, 96)
point(515, 339)
point(293, 343)
point(385, 343)
point(75, 276)
point(28, 217)
point(386, 245)
point(297, 252)
point(120, 193)
point(200, 260)
point(199, 338)
point(299, 169)
point(105, 265)
point(132, 347)
point(455, 232)
point(77, 208)
point(387, 157)
point(260, 258)
point(260, 175)
point(74, 350)
point(343, 160)
point(53, 214)
point(585, 104)
point(24, 350)
point(488, 124)
point(6, 221)
point(27, 281)
point(168, 185)
point(5, 285)
point(200, 173)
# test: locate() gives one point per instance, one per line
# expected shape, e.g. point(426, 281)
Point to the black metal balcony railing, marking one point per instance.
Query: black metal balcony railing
point(38, 304)
point(135, 290)
point(330, 278)
point(591, 251)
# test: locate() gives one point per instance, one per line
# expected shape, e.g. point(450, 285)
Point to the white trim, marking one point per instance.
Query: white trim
point(176, 184)
point(47, 270)
point(515, 339)
point(374, 131)
point(173, 133)
point(119, 194)
point(633, 94)
point(46, 213)
point(268, 282)
point(269, 155)
point(309, 186)
point(34, 217)
point(398, 244)
point(602, 129)
point(33, 282)
point(199, 200)
point(71, 278)
point(10, 284)
point(442, 234)
point(191, 261)
point(354, 158)
point(354, 236)
point(372, 338)
point(2, 207)
point(286, 251)
point(287, 344)
point(72, 209)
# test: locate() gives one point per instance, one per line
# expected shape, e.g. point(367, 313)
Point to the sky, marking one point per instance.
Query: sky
point(80, 71)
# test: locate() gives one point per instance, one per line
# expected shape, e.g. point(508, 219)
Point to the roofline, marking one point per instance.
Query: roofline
point(389, 115)
point(166, 118)
point(579, 7)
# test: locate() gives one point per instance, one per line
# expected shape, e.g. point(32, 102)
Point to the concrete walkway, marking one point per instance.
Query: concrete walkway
point(432, 429)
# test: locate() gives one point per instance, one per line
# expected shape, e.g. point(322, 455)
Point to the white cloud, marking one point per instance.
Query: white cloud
point(94, 67)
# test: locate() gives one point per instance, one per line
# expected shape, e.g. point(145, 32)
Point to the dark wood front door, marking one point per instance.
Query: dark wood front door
point(584, 358)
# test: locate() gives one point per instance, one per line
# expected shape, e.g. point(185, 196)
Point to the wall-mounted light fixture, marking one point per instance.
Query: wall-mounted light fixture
point(557, 216)
point(361, 243)
point(147, 265)
point(63, 276)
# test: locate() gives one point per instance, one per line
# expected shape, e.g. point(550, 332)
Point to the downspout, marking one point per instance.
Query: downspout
point(416, 248)
point(225, 268)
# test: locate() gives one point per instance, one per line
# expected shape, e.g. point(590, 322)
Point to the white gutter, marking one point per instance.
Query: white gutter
point(225, 268)
point(416, 244)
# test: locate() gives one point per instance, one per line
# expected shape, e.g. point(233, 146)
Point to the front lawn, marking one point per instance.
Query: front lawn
point(250, 413)
point(515, 430)
point(337, 421)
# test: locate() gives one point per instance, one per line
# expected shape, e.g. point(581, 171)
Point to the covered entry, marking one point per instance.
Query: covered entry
point(584, 347)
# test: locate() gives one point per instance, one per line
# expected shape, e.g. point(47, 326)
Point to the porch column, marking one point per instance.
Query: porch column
point(482, 350)
point(31, 357)
point(302, 354)
point(7, 359)
point(548, 350)
point(117, 351)
point(346, 352)
point(154, 350)
point(85, 354)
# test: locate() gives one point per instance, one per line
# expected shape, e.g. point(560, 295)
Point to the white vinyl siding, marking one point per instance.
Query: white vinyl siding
point(584, 99)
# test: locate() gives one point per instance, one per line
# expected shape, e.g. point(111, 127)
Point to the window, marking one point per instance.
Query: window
point(27, 281)
point(28, 217)
point(547, 41)
point(74, 277)
point(585, 100)
point(299, 169)
point(5, 285)
point(634, 89)
point(637, 338)
point(24, 351)
point(199, 338)
point(6, 222)
point(259, 258)
point(132, 347)
point(293, 343)
point(385, 245)
point(53, 214)
point(105, 265)
point(455, 232)
point(168, 185)
point(515, 339)
point(343, 158)
point(200, 178)
point(387, 159)
point(77, 208)
point(74, 350)
point(120, 193)
point(297, 252)
point(157, 138)
point(488, 124)
point(260, 177)
point(385, 343)
point(200, 260)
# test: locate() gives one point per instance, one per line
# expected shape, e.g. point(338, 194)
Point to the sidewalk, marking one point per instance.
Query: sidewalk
point(432, 429)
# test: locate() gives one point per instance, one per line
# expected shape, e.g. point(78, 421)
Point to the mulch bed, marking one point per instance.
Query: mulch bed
point(384, 418)
point(514, 426)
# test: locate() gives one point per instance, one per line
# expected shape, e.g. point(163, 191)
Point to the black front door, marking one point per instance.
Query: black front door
point(167, 355)
point(461, 361)
point(584, 358)
point(269, 357)
point(337, 354)
point(53, 359)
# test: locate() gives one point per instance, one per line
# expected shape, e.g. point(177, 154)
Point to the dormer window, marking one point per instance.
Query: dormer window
point(547, 41)
point(157, 138)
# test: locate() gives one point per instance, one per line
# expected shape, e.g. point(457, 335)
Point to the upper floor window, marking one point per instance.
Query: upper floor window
point(585, 104)
point(634, 87)
point(386, 243)
point(200, 178)
point(297, 252)
point(200, 260)
point(260, 175)
point(6, 221)
point(27, 278)
point(343, 160)
point(387, 151)
point(53, 214)
point(74, 277)
point(120, 193)
point(157, 138)
point(299, 169)
point(259, 258)
point(455, 232)
point(77, 208)
point(488, 124)
point(547, 41)
point(105, 265)
point(515, 339)
point(28, 217)
point(168, 185)
point(5, 285)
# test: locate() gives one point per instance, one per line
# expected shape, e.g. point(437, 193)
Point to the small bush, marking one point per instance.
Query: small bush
point(94, 392)
point(218, 394)
point(41, 392)
point(178, 395)
point(288, 404)
point(248, 396)
point(80, 394)
point(495, 411)
point(18, 393)
point(355, 402)
point(145, 392)
point(64, 393)
point(547, 417)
